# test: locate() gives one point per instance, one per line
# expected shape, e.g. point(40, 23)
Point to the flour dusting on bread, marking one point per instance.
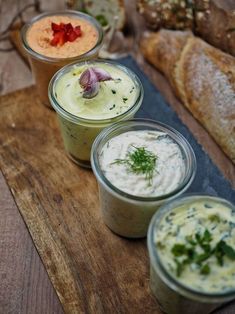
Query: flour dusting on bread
point(202, 76)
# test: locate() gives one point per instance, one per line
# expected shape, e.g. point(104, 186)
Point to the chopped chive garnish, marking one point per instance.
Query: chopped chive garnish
point(118, 80)
point(113, 106)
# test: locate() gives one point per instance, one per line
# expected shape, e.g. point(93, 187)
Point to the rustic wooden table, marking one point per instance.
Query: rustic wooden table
point(24, 284)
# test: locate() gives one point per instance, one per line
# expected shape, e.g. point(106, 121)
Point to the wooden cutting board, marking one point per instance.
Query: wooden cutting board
point(92, 270)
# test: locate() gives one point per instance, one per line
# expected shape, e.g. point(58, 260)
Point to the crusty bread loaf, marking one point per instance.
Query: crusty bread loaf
point(164, 51)
point(202, 76)
point(213, 20)
point(177, 14)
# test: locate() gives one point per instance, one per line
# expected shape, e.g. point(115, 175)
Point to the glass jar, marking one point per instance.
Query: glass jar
point(126, 214)
point(44, 67)
point(79, 133)
point(174, 297)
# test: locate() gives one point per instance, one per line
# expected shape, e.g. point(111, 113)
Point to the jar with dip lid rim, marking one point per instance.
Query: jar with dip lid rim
point(45, 66)
point(126, 214)
point(79, 131)
point(173, 296)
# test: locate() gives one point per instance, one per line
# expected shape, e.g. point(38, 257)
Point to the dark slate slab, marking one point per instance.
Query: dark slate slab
point(208, 179)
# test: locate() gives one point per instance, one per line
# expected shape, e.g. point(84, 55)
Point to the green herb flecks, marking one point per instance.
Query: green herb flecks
point(179, 250)
point(223, 249)
point(205, 270)
point(113, 106)
point(186, 254)
point(140, 161)
point(179, 267)
point(132, 89)
point(214, 218)
point(118, 80)
point(102, 20)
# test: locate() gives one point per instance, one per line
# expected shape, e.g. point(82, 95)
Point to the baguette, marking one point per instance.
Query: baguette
point(202, 76)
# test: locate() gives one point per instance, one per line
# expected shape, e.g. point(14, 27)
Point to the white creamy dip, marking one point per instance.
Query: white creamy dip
point(169, 169)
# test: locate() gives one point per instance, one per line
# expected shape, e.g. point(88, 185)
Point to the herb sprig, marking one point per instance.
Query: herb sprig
point(140, 161)
point(186, 254)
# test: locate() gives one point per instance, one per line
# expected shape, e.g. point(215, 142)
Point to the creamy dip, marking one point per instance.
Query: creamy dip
point(209, 219)
point(167, 175)
point(114, 98)
point(40, 34)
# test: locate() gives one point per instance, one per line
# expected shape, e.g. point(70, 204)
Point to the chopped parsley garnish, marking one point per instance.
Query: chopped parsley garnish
point(140, 161)
point(113, 91)
point(186, 254)
point(214, 218)
point(124, 99)
point(205, 270)
point(179, 249)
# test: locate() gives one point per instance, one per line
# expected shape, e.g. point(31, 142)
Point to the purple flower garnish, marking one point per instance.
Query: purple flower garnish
point(102, 75)
point(91, 90)
point(89, 81)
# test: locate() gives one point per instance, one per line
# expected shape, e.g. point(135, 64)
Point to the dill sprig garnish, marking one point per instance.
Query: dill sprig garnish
point(140, 161)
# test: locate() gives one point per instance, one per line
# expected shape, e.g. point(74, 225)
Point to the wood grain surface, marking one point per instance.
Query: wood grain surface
point(92, 270)
point(24, 284)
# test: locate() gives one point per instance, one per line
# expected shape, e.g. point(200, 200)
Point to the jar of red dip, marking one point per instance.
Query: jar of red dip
point(55, 39)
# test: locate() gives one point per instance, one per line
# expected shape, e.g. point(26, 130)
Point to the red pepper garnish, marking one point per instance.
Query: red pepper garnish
point(64, 32)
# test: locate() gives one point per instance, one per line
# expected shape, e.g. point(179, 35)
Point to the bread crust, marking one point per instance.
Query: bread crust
point(213, 20)
point(155, 47)
point(203, 77)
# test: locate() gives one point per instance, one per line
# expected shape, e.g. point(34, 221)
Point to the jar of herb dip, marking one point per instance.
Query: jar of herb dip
point(139, 165)
point(88, 97)
point(191, 243)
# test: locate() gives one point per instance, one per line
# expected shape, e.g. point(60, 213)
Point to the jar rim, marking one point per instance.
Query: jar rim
point(81, 15)
point(73, 118)
point(178, 138)
point(155, 260)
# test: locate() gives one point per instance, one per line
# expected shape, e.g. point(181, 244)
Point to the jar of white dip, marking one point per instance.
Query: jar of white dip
point(139, 165)
point(191, 244)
